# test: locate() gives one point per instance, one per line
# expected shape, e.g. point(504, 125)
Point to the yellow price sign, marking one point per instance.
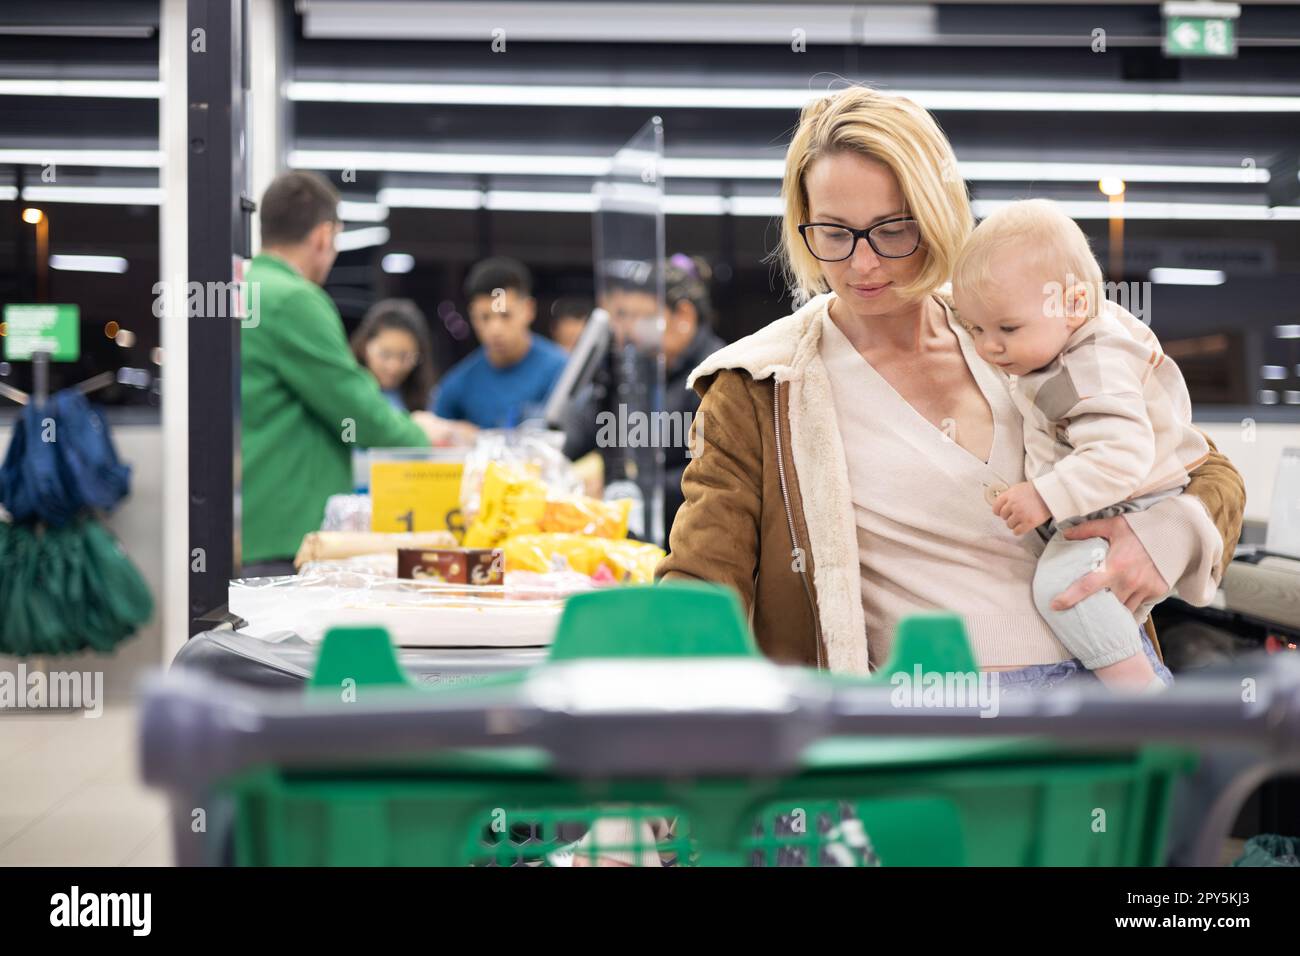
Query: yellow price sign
point(416, 496)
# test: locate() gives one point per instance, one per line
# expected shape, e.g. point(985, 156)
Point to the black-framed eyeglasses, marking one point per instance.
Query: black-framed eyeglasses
point(891, 239)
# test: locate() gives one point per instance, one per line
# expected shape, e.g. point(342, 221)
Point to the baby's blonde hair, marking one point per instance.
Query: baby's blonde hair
point(1043, 236)
point(904, 137)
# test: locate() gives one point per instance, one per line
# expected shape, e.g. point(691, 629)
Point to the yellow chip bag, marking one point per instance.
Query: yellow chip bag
point(603, 559)
point(591, 516)
point(513, 502)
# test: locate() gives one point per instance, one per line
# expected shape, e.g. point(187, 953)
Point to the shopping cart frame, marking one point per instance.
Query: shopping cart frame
point(728, 715)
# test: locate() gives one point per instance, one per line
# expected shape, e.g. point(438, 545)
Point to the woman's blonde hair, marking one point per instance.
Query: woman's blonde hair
point(1039, 234)
point(904, 137)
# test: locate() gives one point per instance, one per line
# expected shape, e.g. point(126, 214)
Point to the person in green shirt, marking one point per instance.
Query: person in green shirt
point(306, 402)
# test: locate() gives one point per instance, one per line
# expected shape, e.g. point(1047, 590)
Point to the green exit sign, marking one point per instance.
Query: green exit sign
point(29, 329)
point(1200, 36)
point(1200, 27)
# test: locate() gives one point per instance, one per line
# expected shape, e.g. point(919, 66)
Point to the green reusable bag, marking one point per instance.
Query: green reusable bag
point(66, 590)
point(119, 591)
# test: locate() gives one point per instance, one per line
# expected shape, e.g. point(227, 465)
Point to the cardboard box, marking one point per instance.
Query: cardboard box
point(472, 566)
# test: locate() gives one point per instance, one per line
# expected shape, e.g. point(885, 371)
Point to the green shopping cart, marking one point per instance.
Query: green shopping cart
point(656, 734)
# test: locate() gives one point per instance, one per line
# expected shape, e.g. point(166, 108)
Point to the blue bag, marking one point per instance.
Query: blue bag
point(60, 461)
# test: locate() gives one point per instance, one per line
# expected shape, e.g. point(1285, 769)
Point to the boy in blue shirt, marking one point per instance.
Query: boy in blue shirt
point(508, 378)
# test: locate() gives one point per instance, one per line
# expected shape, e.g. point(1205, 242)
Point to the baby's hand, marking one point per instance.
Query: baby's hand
point(1021, 507)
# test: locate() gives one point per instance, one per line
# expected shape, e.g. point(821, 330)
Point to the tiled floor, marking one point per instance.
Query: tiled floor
point(70, 793)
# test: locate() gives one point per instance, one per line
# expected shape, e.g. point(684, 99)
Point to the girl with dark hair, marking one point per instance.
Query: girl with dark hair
point(393, 343)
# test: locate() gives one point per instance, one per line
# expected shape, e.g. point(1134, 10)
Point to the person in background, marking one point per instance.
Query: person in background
point(568, 318)
point(306, 401)
point(393, 342)
point(509, 376)
point(688, 339)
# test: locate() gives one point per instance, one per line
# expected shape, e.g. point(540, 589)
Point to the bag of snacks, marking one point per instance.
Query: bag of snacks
point(604, 560)
point(513, 502)
point(591, 516)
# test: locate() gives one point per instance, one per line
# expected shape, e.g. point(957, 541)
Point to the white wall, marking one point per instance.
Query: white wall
point(1255, 451)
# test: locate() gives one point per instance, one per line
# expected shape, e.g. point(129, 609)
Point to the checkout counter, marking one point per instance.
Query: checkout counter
point(1258, 601)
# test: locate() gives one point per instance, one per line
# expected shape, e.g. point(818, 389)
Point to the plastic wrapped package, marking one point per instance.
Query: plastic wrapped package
point(521, 613)
point(604, 560)
point(333, 545)
point(347, 513)
point(511, 502)
point(591, 516)
point(531, 451)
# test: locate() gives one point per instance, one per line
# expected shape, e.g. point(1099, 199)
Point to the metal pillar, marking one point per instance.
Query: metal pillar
point(217, 80)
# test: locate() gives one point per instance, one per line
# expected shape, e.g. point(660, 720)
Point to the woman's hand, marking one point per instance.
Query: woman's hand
point(1127, 569)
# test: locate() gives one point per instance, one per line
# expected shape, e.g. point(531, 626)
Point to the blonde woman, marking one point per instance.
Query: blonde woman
point(852, 450)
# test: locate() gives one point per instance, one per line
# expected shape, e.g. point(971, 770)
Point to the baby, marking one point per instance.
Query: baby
point(1107, 418)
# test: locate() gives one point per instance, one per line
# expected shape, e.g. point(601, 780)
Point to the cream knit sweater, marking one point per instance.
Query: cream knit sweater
point(927, 536)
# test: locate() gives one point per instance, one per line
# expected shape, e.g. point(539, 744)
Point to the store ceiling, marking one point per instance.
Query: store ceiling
point(1009, 50)
point(946, 53)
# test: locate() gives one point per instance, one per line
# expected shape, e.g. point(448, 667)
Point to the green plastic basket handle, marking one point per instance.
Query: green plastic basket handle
point(673, 619)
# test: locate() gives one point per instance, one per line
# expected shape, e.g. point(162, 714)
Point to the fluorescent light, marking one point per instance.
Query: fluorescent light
point(1092, 172)
point(1200, 8)
point(123, 158)
point(759, 206)
point(111, 89)
point(1267, 396)
point(584, 22)
point(1169, 211)
point(143, 31)
point(769, 206)
point(503, 200)
point(1169, 276)
point(1028, 101)
point(95, 195)
point(401, 198)
point(678, 97)
point(481, 163)
point(115, 264)
point(722, 168)
point(520, 94)
point(684, 97)
point(696, 205)
point(1272, 373)
point(1291, 397)
point(397, 263)
point(351, 210)
point(1287, 332)
point(520, 201)
point(742, 168)
point(8, 193)
point(355, 239)
point(508, 164)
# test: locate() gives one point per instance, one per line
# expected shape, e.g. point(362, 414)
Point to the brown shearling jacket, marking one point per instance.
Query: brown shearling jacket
point(767, 510)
